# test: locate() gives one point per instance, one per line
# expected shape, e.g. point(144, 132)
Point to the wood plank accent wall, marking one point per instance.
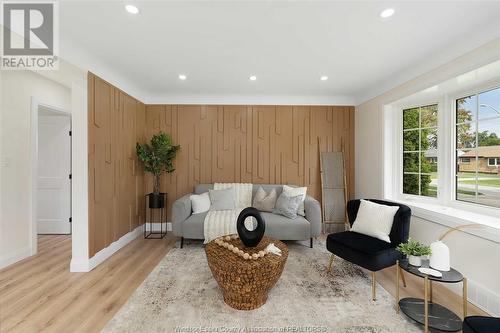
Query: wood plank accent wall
point(257, 144)
point(116, 121)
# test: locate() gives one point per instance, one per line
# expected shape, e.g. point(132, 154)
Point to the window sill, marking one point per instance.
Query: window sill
point(453, 217)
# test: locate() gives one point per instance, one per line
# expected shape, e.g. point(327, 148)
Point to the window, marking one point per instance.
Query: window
point(465, 160)
point(493, 162)
point(420, 150)
point(478, 140)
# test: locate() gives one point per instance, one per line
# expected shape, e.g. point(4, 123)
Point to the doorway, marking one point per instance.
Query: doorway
point(53, 172)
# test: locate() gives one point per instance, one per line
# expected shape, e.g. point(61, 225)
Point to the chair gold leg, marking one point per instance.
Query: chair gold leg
point(330, 263)
point(401, 273)
point(426, 304)
point(465, 296)
point(374, 281)
point(397, 286)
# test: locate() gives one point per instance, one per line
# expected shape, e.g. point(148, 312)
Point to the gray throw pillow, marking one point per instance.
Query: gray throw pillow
point(222, 199)
point(287, 206)
point(263, 201)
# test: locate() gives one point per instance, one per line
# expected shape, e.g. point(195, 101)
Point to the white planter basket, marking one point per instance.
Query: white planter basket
point(415, 261)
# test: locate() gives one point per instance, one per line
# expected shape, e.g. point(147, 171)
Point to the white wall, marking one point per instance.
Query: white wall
point(18, 87)
point(474, 256)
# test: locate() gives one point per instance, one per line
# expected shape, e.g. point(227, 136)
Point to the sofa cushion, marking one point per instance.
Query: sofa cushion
point(281, 227)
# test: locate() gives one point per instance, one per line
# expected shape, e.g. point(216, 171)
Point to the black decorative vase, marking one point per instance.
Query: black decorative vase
point(250, 238)
point(156, 200)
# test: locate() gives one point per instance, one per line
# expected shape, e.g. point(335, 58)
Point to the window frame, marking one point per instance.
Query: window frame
point(397, 187)
point(453, 97)
point(494, 161)
point(447, 159)
point(402, 130)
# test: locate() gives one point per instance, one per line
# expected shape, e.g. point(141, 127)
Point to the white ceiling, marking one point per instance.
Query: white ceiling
point(287, 44)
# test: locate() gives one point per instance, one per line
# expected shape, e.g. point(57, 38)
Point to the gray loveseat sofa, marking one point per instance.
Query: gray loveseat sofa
point(190, 226)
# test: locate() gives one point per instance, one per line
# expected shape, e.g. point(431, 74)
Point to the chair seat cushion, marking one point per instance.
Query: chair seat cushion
point(365, 251)
point(479, 324)
point(283, 228)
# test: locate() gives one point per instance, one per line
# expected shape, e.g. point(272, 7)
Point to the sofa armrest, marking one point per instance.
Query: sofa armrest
point(181, 210)
point(313, 215)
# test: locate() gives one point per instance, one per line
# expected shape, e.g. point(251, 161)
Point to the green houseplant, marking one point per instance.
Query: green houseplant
point(157, 157)
point(414, 250)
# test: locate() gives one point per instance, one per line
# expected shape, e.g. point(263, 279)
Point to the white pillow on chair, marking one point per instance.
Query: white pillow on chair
point(374, 220)
point(200, 202)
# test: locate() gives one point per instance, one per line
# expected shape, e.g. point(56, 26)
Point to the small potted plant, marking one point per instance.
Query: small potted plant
point(414, 250)
point(158, 156)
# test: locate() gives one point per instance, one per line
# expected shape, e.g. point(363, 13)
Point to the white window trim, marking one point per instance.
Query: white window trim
point(398, 151)
point(495, 161)
point(446, 199)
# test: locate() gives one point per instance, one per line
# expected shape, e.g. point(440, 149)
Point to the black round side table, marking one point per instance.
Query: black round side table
point(425, 311)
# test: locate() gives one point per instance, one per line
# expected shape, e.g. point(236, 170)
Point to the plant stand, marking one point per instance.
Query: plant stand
point(155, 217)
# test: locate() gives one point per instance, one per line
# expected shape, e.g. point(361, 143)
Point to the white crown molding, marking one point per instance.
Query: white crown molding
point(251, 99)
point(79, 57)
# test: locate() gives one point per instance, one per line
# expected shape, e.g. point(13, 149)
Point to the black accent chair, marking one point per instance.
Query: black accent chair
point(368, 252)
point(480, 324)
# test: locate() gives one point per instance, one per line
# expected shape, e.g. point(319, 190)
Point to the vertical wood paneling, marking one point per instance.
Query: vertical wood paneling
point(116, 181)
point(257, 144)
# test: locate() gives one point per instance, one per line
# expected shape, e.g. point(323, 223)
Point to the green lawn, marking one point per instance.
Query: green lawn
point(483, 182)
point(480, 175)
point(493, 179)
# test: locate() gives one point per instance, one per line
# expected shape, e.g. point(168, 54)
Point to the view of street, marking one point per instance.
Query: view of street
point(488, 187)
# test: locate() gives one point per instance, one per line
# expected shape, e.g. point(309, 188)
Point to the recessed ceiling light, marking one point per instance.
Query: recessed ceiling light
point(387, 13)
point(132, 9)
point(252, 78)
point(324, 78)
point(182, 77)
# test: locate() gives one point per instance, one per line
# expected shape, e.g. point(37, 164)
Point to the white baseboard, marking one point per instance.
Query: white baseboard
point(15, 256)
point(86, 265)
point(483, 298)
point(156, 226)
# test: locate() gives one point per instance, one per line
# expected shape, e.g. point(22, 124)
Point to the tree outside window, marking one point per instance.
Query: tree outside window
point(420, 142)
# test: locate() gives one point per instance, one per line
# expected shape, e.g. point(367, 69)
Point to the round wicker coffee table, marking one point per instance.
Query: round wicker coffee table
point(245, 283)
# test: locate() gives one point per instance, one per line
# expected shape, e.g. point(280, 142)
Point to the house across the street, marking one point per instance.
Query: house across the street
point(488, 160)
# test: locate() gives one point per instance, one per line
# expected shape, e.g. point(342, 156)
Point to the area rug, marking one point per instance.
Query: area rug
point(180, 295)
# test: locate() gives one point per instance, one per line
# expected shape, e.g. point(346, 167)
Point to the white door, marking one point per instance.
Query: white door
point(54, 168)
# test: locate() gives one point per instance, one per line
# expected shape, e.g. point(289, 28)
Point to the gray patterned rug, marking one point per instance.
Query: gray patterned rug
point(180, 295)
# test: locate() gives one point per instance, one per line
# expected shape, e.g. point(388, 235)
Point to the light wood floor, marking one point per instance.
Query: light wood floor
point(39, 294)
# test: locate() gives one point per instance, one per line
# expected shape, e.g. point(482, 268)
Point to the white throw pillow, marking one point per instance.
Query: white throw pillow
point(375, 220)
point(295, 191)
point(200, 203)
